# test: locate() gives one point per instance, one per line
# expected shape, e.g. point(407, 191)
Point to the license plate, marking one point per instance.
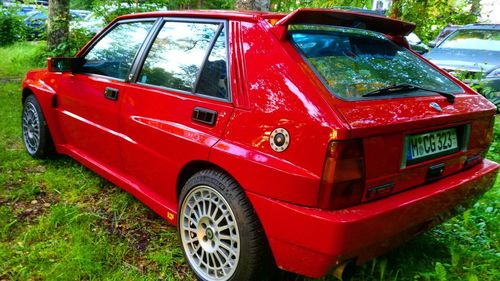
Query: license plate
point(432, 143)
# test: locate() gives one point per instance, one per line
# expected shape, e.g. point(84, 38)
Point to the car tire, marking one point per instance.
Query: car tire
point(220, 234)
point(36, 134)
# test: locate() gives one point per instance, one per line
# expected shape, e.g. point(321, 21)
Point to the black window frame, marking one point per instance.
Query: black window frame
point(150, 39)
point(97, 39)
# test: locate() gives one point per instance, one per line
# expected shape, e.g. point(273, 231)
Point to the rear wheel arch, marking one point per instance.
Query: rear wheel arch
point(192, 168)
point(206, 175)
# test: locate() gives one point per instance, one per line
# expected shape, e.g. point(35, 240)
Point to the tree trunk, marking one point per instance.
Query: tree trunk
point(395, 9)
point(257, 5)
point(58, 23)
point(475, 7)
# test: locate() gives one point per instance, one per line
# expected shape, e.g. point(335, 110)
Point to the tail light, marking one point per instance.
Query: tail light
point(342, 182)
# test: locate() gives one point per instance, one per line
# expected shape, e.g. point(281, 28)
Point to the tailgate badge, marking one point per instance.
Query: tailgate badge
point(436, 106)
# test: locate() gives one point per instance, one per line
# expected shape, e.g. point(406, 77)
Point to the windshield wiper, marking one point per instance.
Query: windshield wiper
point(403, 87)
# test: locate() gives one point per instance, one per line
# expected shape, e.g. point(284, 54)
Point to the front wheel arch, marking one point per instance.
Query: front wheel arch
point(35, 131)
point(26, 92)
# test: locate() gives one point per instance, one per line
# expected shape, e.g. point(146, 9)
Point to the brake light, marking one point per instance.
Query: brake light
point(342, 182)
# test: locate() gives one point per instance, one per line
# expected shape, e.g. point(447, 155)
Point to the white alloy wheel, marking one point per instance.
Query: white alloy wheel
point(209, 233)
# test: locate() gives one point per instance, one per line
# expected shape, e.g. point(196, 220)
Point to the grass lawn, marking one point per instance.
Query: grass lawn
point(60, 221)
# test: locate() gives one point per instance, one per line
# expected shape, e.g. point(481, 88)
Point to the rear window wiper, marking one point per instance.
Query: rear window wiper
point(403, 87)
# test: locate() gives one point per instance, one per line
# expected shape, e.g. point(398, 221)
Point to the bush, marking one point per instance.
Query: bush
point(78, 37)
point(431, 16)
point(11, 27)
point(110, 9)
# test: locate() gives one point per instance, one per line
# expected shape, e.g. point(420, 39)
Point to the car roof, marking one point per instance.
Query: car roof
point(480, 26)
point(218, 14)
point(300, 16)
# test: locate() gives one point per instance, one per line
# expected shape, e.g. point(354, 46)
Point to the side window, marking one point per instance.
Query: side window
point(114, 53)
point(213, 77)
point(177, 56)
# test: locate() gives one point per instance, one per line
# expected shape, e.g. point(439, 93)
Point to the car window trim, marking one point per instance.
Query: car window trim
point(144, 51)
point(106, 32)
point(176, 91)
point(205, 58)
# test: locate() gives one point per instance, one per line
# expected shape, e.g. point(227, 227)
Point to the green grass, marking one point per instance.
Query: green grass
point(18, 59)
point(60, 221)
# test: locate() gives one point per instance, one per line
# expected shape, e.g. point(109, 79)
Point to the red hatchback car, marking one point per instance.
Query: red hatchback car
point(307, 141)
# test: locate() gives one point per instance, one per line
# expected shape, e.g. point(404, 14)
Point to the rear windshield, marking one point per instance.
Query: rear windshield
point(353, 62)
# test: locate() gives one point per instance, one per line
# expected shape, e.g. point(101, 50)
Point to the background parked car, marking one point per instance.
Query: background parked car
point(36, 22)
point(447, 30)
point(90, 23)
point(25, 9)
point(416, 44)
point(81, 13)
point(472, 53)
point(444, 32)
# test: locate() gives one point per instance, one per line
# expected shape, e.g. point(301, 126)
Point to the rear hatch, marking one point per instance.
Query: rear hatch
point(408, 142)
point(415, 123)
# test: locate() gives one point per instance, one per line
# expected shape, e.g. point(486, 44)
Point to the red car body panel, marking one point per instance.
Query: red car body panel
point(162, 142)
point(147, 143)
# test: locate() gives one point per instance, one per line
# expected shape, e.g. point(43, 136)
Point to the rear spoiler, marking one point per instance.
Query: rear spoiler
point(371, 22)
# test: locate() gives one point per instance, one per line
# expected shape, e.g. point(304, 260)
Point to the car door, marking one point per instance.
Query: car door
point(179, 105)
point(89, 101)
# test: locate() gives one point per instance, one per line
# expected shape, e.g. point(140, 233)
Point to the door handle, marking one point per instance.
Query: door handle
point(111, 93)
point(205, 116)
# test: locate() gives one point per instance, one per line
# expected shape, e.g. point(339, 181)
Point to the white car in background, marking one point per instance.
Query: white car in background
point(91, 23)
point(94, 23)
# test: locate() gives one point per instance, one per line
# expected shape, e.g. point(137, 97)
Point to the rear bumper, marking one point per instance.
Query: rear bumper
point(311, 242)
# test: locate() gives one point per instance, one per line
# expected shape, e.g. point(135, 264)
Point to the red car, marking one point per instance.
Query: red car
point(306, 141)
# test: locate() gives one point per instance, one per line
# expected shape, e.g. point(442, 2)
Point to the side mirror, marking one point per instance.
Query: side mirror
point(70, 64)
point(432, 44)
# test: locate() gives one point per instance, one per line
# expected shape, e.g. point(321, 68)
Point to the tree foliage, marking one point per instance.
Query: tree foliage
point(258, 5)
point(11, 27)
point(110, 9)
point(81, 4)
point(290, 5)
point(431, 16)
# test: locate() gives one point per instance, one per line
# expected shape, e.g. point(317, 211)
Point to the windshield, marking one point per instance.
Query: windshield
point(473, 39)
point(353, 62)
